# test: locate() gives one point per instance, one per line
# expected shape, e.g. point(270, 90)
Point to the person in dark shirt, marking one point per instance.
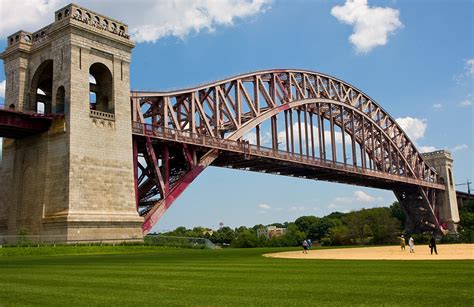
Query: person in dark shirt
point(433, 245)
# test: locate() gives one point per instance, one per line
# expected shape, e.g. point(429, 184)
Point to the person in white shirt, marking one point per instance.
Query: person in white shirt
point(411, 242)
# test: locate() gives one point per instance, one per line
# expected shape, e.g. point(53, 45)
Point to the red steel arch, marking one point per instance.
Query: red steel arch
point(179, 133)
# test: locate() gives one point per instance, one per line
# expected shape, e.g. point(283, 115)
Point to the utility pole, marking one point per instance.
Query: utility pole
point(468, 183)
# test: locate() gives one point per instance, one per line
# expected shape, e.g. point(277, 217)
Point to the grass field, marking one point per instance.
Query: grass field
point(132, 275)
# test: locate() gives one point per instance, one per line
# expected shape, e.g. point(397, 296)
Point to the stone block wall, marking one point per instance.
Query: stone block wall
point(76, 180)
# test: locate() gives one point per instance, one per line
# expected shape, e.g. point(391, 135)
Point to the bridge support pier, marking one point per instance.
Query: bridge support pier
point(446, 207)
point(418, 208)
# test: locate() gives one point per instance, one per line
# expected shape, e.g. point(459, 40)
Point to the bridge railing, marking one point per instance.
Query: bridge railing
point(14, 108)
point(28, 111)
point(261, 151)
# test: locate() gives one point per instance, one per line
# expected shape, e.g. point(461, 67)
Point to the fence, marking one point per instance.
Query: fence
point(170, 241)
point(40, 240)
point(150, 240)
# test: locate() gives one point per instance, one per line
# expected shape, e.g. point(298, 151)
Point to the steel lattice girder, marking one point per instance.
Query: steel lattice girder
point(217, 116)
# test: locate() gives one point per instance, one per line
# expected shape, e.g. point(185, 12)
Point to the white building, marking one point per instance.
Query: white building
point(271, 232)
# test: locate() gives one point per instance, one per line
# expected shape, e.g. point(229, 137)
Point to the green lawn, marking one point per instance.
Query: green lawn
point(133, 275)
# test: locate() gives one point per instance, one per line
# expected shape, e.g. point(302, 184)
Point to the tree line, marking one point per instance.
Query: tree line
point(375, 226)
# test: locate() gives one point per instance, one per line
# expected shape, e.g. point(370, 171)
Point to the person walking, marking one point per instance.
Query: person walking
point(305, 247)
point(433, 245)
point(411, 243)
point(402, 242)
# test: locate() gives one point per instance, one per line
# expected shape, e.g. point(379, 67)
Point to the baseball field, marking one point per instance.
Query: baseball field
point(140, 275)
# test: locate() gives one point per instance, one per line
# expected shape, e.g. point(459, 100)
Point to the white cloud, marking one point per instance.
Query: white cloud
point(465, 103)
point(414, 127)
point(29, 15)
point(148, 20)
point(264, 207)
point(342, 202)
point(265, 138)
point(181, 17)
point(2, 89)
point(437, 106)
point(426, 148)
point(467, 73)
point(470, 67)
point(459, 147)
point(363, 197)
point(372, 25)
point(251, 137)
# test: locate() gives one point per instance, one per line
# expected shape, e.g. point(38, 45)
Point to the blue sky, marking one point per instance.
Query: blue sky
point(415, 58)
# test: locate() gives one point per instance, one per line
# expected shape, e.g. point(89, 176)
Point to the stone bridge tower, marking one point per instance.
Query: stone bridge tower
point(447, 204)
point(75, 181)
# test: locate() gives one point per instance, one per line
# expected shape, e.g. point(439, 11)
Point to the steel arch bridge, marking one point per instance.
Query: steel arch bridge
point(287, 122)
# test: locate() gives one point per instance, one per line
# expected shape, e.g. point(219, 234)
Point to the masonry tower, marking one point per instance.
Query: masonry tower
point(75, 180)
point(447, 204)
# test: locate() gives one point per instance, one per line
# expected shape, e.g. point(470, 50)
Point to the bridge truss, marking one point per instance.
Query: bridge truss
point(288, 122)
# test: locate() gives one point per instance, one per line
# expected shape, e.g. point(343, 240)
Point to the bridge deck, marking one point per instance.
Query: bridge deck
point(257, 158)
point(17, 124)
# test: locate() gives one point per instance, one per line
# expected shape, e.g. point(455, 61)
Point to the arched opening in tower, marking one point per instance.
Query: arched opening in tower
point(42, 88)
point(100, 88)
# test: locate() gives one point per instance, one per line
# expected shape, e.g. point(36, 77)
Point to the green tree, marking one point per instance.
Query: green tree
point(319, 229)
point(337, 235)
point(383, 227)
point(356, 221)
point(466, 224)
point(294, 236)
point(336, 215)
point(256, 227)
point(243, 228)
point(247, 238)
point(216, 238)
point(397, 212)
point(198, 232)
point(226, 235)
point(180, 231)
point(304, 223)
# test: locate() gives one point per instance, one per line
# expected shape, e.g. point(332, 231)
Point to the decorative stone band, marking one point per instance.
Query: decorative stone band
point(436, 153)
point(102, 26)
point(102, 115)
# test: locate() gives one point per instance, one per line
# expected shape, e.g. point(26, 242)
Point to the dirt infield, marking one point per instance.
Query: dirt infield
point(422, 252)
